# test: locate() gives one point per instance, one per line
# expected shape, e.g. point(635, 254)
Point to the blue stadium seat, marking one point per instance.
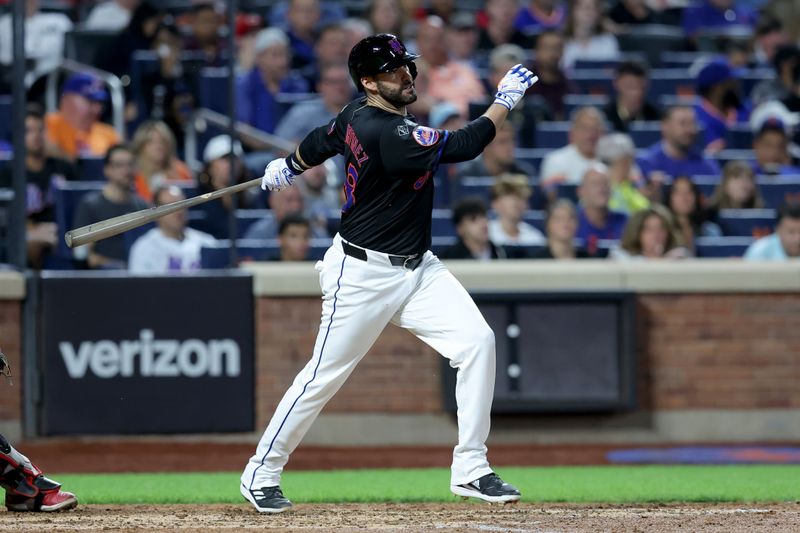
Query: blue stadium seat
point(723, 156)
point(553, 134)
point(532, 156)
point(535, 218)
point(67, 197)
point(439, 244)
point(747, 222)
point(595, 81)
point(652, 40)
point(779, 190)
point(475, 186)
point(442, 223)
point(722, 246)
point(740, 137)
point(575, 101)
point(91, 169)
point(218, 255)
point(669, 59)
point(706, 185)
point(645, 133)
point(5, 160)
point(672, 81)
point(568, 191)
point(5, 117)
point(213, 89)
point(246, 217)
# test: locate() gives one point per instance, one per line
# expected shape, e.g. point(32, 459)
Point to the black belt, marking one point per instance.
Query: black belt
point(406, 261)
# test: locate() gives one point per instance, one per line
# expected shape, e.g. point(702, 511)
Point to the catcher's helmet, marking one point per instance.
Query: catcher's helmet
point(379, 53)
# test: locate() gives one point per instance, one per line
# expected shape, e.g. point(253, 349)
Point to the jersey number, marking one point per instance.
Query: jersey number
point(350, 182)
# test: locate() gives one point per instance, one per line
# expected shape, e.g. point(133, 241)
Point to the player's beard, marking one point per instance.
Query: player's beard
point(397, 96)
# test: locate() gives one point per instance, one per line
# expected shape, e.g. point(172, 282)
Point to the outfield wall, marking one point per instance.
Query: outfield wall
point(718, 347)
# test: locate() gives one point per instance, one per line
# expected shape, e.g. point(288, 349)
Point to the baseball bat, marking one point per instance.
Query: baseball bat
point(115, 226)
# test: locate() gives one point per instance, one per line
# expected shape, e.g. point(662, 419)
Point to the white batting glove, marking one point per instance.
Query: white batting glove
point(513, 86)
point(277, 175)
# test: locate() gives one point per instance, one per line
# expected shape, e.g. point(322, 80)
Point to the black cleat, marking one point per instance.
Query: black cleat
point(266, 499)
point(489, 488)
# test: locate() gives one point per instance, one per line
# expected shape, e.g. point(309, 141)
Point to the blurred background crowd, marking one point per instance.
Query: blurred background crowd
point(658, 128)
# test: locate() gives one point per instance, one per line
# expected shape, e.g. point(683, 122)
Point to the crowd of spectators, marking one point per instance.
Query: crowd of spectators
point(621, 151)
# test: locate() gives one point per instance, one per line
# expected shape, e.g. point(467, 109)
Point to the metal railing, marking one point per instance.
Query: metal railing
point(113, 83)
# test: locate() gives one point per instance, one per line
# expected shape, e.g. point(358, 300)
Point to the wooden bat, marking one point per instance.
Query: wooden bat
point(115, 226)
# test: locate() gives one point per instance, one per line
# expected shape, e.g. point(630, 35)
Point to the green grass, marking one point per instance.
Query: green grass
point(596, 484)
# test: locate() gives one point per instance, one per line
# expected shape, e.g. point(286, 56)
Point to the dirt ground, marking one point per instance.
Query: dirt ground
point(444, 518)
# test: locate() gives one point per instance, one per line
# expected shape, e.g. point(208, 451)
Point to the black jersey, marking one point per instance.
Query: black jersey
point(389, 165)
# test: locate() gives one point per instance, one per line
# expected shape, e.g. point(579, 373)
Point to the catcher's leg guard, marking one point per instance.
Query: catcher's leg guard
point(27, 489)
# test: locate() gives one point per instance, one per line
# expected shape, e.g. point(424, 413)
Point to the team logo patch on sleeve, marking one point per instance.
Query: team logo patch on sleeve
point(425, 136)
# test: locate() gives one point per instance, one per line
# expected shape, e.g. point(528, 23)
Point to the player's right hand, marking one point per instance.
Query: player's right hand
point(277, 175)
point(513, 86)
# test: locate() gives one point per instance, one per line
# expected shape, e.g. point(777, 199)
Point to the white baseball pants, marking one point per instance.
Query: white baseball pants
point(359, 299)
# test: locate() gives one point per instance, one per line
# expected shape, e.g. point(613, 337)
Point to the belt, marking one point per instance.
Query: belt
point(406, 261)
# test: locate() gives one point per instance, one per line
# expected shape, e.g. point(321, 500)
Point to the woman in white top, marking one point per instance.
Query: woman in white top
point(586, 37)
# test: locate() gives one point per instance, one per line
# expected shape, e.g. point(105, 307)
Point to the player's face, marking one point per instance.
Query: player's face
point(397, 86)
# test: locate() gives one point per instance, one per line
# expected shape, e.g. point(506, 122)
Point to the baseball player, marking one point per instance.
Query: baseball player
point(26, 487)
point(380, 269)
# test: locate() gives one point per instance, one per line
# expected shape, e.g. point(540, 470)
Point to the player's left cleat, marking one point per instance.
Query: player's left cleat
point(266, 499)
point(46, 502)
point(489, 488)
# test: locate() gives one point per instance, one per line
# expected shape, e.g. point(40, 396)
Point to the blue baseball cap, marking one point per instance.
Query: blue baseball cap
point(86, 85)
point(714, 73)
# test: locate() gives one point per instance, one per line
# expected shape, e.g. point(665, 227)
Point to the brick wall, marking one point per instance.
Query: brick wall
point(701, 351)
point(10, 342)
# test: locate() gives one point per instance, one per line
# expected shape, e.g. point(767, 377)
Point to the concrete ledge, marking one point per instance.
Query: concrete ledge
point(12, 285)
point(665, 427)
point(689, 276)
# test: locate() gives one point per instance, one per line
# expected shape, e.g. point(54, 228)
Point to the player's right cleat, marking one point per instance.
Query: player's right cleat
point(489, 488)
point(266, 499)
point(46, 502)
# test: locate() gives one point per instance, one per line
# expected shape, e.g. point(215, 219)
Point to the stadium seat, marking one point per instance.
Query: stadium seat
point(246, 217)
point(747, 222)
point(652, 40)
point(213, 89)
point(575, 101)
point(722, 246)
point(89, 46)
point(553, 134)
point(568, 191)
point(67, 197)
point(5, 117)
point(723, 156)
point(90, 169)
point(739, 137)
point(442, 223)
point(645, 133)
point(5, 160)
point(218, 255)
point(672, 81)
point(779, 190)
point(706, 184)
point(669, 59)
point(532, 156)
point(535, 218)
point(473, 186)
point(595, 81)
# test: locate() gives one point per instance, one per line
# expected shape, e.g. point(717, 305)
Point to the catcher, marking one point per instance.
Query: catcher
point(27, 489)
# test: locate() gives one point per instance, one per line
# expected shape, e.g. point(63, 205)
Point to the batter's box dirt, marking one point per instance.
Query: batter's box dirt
point(408, 518)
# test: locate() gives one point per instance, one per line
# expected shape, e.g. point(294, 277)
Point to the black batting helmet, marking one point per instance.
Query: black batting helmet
point(379, 53)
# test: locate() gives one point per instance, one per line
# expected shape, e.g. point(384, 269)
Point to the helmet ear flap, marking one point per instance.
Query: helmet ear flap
point(413, 69)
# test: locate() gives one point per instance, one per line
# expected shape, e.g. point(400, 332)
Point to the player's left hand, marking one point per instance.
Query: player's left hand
point(277, 175)
point(513, 86)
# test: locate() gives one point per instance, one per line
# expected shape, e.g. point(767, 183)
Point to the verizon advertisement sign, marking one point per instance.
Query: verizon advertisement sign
point(135, 355)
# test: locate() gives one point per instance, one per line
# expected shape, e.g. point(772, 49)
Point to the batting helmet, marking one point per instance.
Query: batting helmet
point(379, 53)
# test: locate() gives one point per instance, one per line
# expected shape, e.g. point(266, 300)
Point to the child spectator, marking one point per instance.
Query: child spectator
point(738, 188)
point(510, 194)
point(472, 226)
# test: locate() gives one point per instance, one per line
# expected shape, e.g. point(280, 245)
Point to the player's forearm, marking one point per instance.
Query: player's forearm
point(497, 114)
point(468, 142)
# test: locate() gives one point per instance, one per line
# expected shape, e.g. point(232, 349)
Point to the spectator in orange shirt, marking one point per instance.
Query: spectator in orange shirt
point(440, 78)
point(156, 158)
point(75, 129)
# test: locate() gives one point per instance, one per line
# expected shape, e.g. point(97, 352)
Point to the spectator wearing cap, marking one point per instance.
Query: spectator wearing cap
point(157, 161)
point(553, 84)
point(257, 89)
point(784, 243)
point(772, 127)
point(510, 194)
point(472, 226)
point(720, 105)
point(618, 153)
point(586, 36)
point(781, 86)
point(500, 28)
point(111, 15)
point(629, 103)
point(44, 41)
point(441, 78)
point(462, 37)
point(540, 14)
point(217, 174)
point(674, 155)
point(596, 221)
point(116, 198)
point(170, 247)
point(569, 164)
point(715, 15)
point(75, 129)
